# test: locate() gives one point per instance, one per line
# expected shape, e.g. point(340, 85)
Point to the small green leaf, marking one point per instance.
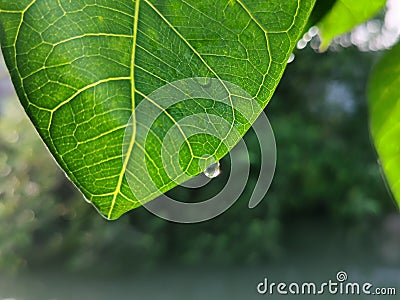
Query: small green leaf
point(81, 68)
point(344, 16)
point(384, 106)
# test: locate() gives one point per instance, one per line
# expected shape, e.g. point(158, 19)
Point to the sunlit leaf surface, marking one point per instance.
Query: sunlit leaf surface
point(81, 67)
point(384, 98)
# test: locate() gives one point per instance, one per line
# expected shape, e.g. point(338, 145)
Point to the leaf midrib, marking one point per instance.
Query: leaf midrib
point(133, 91)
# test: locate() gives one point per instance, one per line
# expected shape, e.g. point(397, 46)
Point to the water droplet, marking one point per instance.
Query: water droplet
point(301, 44)
point(307, 37)
point(313, 31)
point(291, 58)
point(213, 170)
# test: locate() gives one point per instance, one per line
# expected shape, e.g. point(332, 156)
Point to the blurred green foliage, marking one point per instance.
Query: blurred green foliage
point(327, 191)
point(43, 219)
point(28, 178)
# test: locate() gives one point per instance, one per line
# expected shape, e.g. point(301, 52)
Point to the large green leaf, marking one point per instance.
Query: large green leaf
point(384, 100)
point(344, 16)
point(81, 67)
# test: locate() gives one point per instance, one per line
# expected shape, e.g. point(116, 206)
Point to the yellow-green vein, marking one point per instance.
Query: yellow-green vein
point(133, 91)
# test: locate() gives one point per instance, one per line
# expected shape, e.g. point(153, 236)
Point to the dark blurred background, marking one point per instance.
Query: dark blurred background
point(328, 208)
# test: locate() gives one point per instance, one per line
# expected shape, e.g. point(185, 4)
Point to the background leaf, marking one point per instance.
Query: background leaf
point(345, 15)
point(81, 67)
point(384, 98)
